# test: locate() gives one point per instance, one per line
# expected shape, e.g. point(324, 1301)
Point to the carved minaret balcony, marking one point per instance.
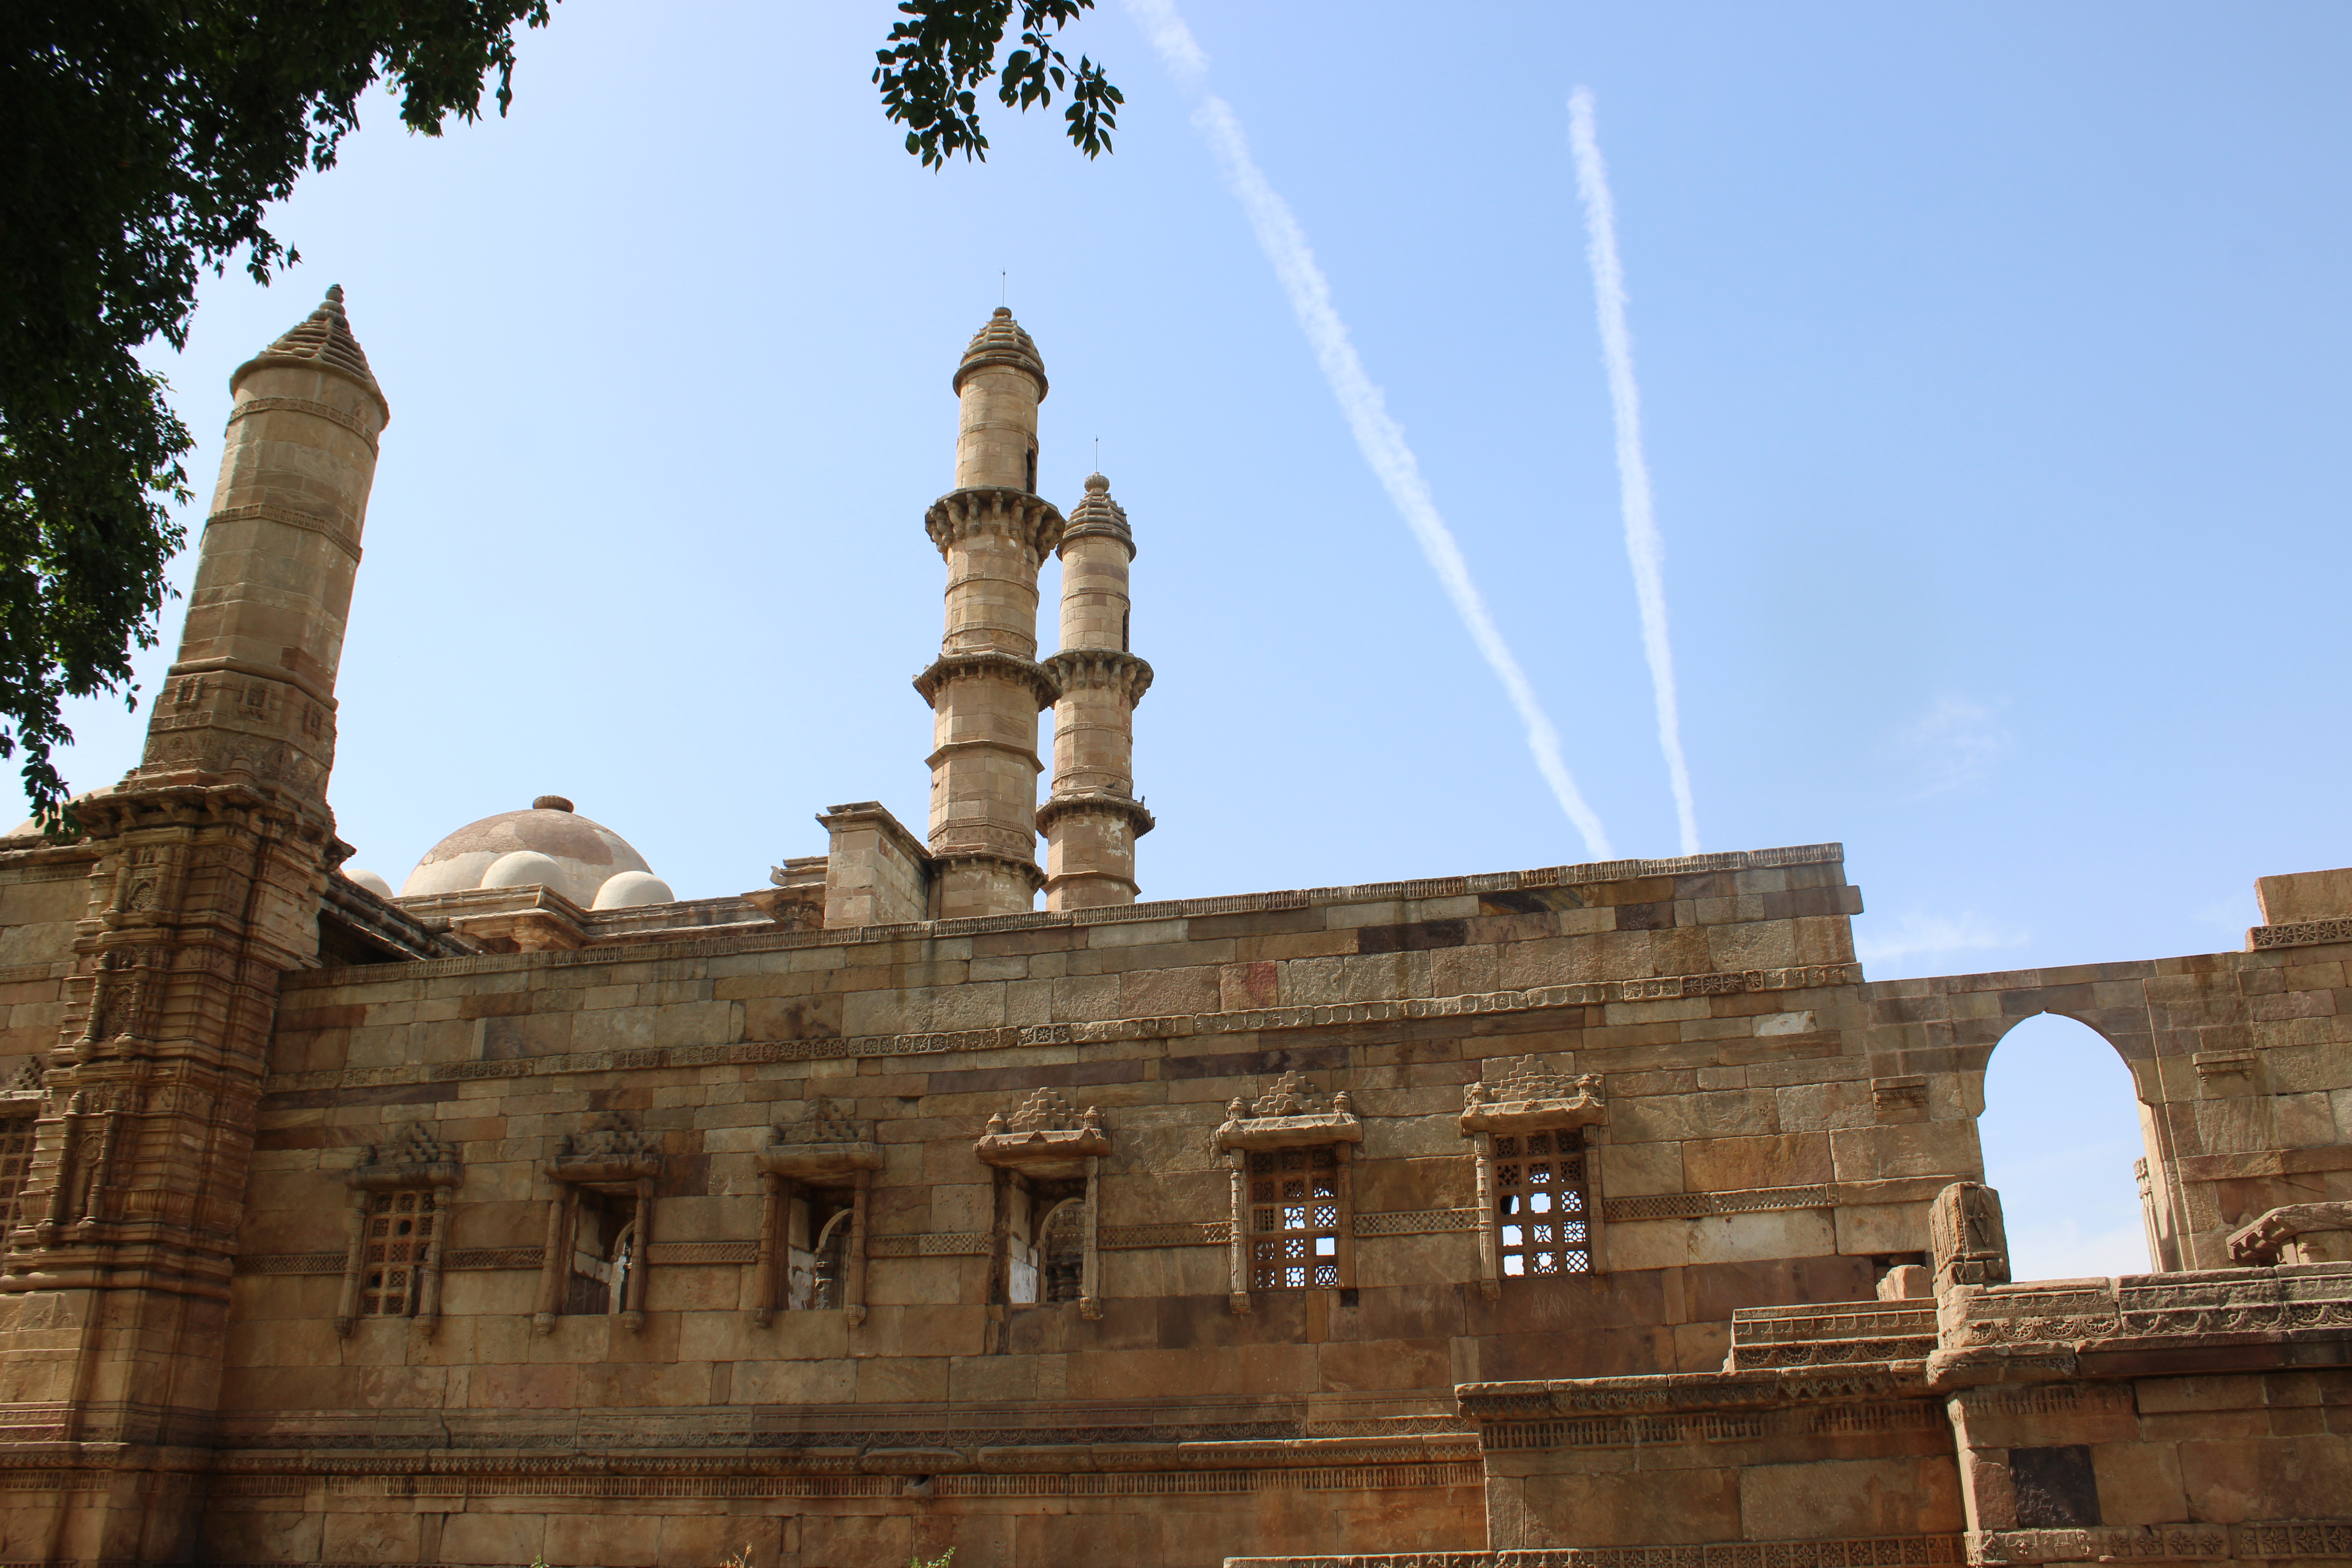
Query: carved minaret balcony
point(987, 687)
point(1092, 819)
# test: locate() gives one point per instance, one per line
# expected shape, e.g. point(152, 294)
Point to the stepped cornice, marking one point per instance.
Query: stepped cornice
point(952, 667)
point(1071, 803)
point(1030, 520)
point(1077, 669)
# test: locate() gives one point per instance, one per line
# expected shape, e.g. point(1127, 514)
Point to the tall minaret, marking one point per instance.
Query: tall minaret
point(987, 687)
point(1092, 820)
point(211, 860)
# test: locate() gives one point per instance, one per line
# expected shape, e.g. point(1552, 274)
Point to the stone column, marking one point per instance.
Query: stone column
point(213, 854)
point(986, 688)
point(1092, 819)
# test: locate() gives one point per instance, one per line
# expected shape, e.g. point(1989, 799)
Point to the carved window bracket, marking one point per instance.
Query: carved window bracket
point(1538, 1177)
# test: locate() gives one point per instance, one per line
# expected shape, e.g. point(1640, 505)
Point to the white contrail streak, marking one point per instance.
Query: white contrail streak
point(1382, 440)
point(1178, 50)
point(1643, 545)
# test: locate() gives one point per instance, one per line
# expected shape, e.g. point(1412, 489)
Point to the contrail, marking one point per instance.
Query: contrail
point(1378, 435)
point(1643, 545)
point(1382, 440)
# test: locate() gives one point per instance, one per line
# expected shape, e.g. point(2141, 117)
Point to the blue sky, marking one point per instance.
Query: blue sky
point(1994, 368)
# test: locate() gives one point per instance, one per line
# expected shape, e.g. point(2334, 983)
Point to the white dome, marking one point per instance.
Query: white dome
point(630, 889)
point(586, 855)
point(525, 868)
point(368, 880)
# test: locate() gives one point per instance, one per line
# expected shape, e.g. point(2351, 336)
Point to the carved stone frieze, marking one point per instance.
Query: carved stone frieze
point(1045, 1136)
point(1527, 1095)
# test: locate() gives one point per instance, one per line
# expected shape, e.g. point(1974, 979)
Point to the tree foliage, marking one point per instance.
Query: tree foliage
point(931, 64)
point(145, 140)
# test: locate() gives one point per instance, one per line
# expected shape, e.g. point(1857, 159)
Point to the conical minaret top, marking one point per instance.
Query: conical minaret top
point(253, 692)
point(322, 339)
point(999, 384)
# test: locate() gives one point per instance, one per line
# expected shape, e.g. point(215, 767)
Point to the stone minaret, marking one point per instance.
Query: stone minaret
point(987, 687)
point(1092, 820)
point(211, 858)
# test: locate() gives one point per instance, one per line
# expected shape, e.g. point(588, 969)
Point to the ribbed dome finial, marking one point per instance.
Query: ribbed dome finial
point(1002, 343)
point(323, 337)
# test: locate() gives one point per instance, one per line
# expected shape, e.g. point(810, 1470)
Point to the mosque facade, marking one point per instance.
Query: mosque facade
point(940, 1194)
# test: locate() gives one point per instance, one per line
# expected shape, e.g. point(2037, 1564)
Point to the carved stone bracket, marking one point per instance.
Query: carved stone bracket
point(2296, 1233)
point(1289, 1115)
point(1045, 1138)
point(1527, 1095)
point(611, 1156)
point(1971, 1246)
point(824, 1147)
point(414, 1161)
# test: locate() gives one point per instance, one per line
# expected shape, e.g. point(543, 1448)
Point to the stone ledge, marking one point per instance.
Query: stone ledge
point(1175, 908)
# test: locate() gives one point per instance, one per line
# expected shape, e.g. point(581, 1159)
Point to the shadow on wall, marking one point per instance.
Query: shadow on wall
point(2060, 1130)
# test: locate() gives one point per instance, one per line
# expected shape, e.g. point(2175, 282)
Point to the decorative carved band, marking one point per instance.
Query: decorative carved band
point(704, 1252)
point(1188, 1232)
point(2305, 933)
point(334, 415)
point(290, 1263)
point(930, 1244)
point(1625, 1431)
point(1870, 1551)
point(1416, 1222)
point(338, 534)
point(494, 1258)
point(1696, 1205)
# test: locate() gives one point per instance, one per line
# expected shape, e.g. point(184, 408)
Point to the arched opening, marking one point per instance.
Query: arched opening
point(832, 1264)
point(1063, 1251)
point(2061, 1134)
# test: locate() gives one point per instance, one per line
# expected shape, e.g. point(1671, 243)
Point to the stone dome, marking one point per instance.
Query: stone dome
point(556, 846)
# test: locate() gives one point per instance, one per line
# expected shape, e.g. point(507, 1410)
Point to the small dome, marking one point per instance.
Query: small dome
point(586, 855)
point(368, 880)
point(525, 868)
point(631, 889)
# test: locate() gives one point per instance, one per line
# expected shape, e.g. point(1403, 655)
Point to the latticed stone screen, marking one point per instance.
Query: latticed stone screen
point(399, 1236)
point(1540, 1203)
point(1294, 1219)
point(15, 1159)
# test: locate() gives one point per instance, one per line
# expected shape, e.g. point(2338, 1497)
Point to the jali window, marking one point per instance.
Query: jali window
point(15, 1159)
point(1540, 1193)
point(1294, 1219)
point(396, 1245)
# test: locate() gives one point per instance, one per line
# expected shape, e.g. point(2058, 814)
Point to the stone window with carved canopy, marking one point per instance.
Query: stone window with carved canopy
point(1532, 1131)
point(1292, 1156)
point(399, 1214)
